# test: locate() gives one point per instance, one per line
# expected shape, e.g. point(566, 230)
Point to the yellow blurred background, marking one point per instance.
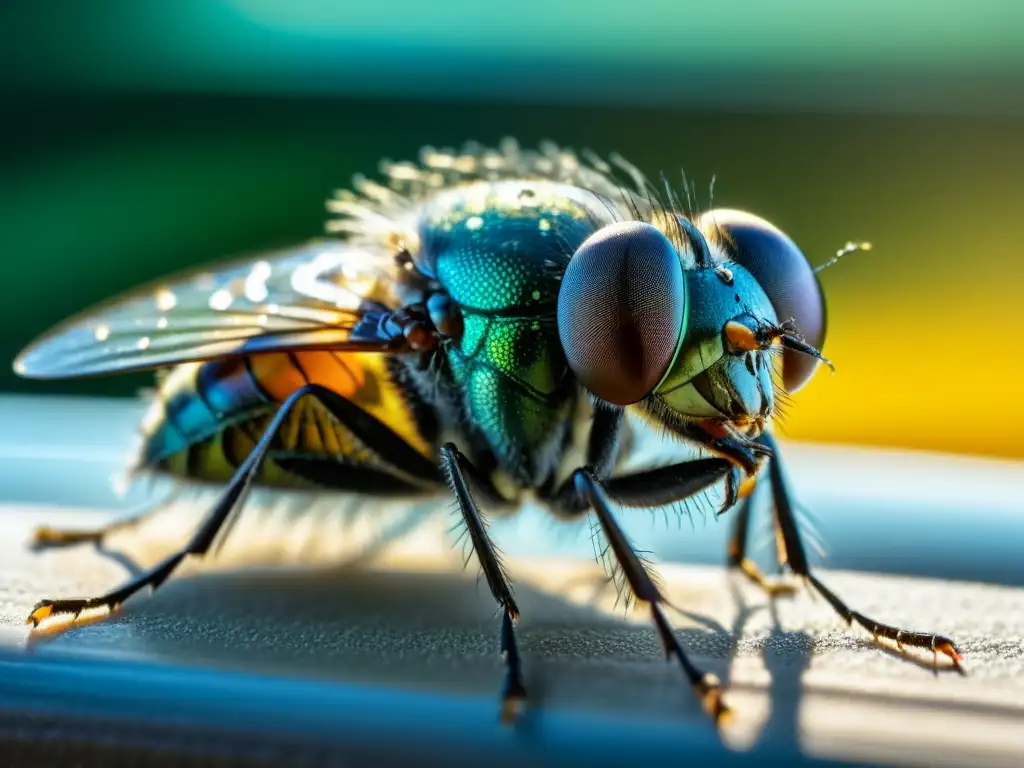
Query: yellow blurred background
point(140, 141)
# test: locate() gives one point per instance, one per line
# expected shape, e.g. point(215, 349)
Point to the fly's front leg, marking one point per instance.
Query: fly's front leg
point(682, 481)
point(461, 471)
point(737, 553)
point(748, 457)
point(655, 487)
point(795, 555)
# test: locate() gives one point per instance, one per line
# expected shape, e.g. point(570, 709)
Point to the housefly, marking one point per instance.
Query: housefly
point(474, 320)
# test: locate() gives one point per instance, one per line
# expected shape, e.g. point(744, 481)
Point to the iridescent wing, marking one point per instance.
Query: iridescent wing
point(313, 296)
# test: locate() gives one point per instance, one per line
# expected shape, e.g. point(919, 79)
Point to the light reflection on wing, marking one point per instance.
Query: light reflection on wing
point(306, 297)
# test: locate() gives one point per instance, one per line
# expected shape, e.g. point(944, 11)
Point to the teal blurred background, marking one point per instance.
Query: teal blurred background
point(140, 138)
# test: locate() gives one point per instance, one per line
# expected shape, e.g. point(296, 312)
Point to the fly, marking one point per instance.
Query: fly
point(471, 316)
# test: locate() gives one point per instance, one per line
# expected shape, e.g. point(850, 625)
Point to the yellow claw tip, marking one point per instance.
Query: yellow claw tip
point(45, 536)
point(715, 705)
point(947, 648)
point(41, 613)
point(712, 695)
point(42, 535)
point(511, 709)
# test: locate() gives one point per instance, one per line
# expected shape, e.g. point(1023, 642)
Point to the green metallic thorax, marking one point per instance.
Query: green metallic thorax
point(500, 257)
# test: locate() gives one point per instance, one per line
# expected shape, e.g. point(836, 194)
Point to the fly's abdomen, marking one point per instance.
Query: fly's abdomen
point(208, 417)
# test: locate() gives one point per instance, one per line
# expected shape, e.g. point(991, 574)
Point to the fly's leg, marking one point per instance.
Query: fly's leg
point(46, 537)
point(460, 471)
point(655, 487)
point(737, 553)
point(649, 488)
point(747, 456)
point(363, 425)
point(605, 442)
point(682, 481)
point(792, 547)
point(200, 542)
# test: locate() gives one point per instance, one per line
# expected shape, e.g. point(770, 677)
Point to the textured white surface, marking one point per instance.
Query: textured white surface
point(412, 620)
point(405, 617)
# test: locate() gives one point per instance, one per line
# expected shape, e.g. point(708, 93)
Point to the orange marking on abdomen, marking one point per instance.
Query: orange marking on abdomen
point(280, 374)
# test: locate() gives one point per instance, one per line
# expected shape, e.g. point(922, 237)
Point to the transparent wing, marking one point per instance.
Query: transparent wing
point(312, 296)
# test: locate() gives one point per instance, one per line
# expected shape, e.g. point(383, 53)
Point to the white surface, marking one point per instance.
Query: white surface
point(806, 683)
point(408, 619)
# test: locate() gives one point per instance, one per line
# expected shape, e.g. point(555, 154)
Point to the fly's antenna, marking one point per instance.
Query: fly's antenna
point(789, 341)
point(764, 336)
point(844, 251)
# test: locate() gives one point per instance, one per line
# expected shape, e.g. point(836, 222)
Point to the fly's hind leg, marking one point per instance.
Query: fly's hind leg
point(48, 537)
point(795, 555)
point(461, 471)
point(364, 426)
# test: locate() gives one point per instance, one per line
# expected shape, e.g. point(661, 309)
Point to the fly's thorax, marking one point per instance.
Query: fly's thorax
point(498, 251)
point(504, 244)
point(706, 379)
point(533, 198)
point(513, 383)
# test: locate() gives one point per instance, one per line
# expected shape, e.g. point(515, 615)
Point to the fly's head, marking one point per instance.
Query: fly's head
point(723, 369)
point(691, 329)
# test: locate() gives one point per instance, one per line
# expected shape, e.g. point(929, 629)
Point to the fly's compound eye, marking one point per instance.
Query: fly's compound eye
point(621, 311)
point(788, 279)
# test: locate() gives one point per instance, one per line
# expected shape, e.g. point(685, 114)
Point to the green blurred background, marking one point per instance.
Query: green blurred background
point(142, 137)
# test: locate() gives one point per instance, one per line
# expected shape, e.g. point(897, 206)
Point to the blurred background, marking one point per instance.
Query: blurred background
point(141, 138)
